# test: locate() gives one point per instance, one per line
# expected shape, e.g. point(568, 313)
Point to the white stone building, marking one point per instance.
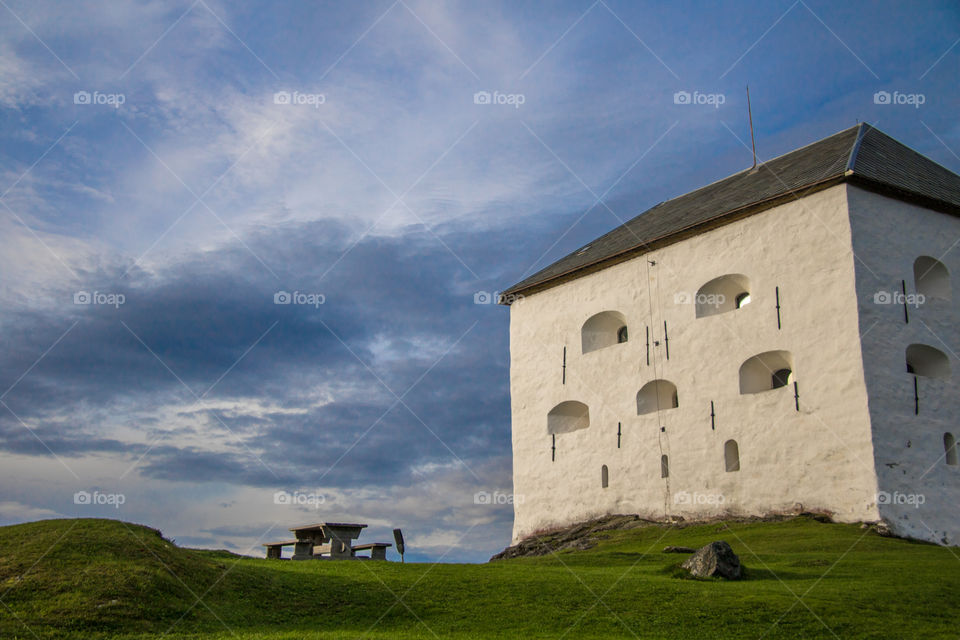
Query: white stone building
point(782, 340)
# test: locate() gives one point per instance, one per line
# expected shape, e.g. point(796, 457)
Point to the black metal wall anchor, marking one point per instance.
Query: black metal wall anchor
point(778, 307)
point(903, 287)
point(713, 423)
point(564, 368)
point(666, 339)
point(796, 395)
point(553, 447)
point(618, 435)
point(648, 346)
point(916, 396)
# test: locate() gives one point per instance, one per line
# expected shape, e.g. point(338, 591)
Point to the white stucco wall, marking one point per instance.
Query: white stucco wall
point(888, 235)
point(820, 457)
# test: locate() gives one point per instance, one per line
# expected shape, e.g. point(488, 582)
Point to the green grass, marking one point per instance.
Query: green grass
point(106, 579)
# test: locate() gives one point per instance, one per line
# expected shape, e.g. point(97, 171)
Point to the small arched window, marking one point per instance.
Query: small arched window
point(568, 416)
point(664, 467)
point(726, 293)
point(950, 449)
point(604, 477)
point(731, 455)
point(657, 395)
point(766, 371)
point(603, 330)
point(781, 378)
point(927, 361)
point(931, 278)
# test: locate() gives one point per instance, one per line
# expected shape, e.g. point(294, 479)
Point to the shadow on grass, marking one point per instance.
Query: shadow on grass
point(747, 574)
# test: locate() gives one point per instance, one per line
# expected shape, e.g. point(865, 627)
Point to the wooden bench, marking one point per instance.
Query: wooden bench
point(275, 549)
point(378, 550)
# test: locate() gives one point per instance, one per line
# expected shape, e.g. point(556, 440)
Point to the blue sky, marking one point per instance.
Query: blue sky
point(187, 161)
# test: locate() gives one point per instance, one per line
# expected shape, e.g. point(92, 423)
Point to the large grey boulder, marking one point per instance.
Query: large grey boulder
point(714, 559)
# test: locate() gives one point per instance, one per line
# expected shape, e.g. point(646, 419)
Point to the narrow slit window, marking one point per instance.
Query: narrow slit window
point(664, 467)
point(950, 449)
point(604, 477)
point(731, 455)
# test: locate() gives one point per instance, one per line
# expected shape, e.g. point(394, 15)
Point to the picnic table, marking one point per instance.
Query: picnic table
point(327, 541)
point(331, 538)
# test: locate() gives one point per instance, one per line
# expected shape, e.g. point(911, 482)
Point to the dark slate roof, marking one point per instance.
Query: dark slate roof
point(861, 155)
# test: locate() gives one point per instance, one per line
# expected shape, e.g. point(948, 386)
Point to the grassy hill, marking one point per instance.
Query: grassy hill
point(91, 578)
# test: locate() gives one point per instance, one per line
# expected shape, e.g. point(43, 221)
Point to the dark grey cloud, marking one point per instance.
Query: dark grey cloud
point(393, 307)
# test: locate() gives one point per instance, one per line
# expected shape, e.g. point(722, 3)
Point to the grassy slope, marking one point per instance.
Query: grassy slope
point(100, 578)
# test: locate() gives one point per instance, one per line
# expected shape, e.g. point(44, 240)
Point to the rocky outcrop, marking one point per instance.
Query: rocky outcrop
point(583, 536)
point(578, 537)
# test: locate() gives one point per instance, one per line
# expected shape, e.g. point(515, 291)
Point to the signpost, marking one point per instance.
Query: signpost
point(398, 538)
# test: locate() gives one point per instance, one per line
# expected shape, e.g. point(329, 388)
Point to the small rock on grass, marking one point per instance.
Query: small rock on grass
point(714, 559)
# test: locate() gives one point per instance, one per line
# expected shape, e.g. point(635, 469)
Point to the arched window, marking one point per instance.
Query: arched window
point(604, 477)
point(568, 416)
point(766, 371)
point(723, 294)
point(664, 467)
point(924, 360)
point(781, 378)
point(657, 395)
point(931, 278)
point(950, 449)
point(603, 330)
point(731, 455)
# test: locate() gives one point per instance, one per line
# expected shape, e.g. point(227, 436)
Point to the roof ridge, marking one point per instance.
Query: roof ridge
point(875, 161)
point(855, 149)
point(905, 146)
point(756, 168)
point(832, 135)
